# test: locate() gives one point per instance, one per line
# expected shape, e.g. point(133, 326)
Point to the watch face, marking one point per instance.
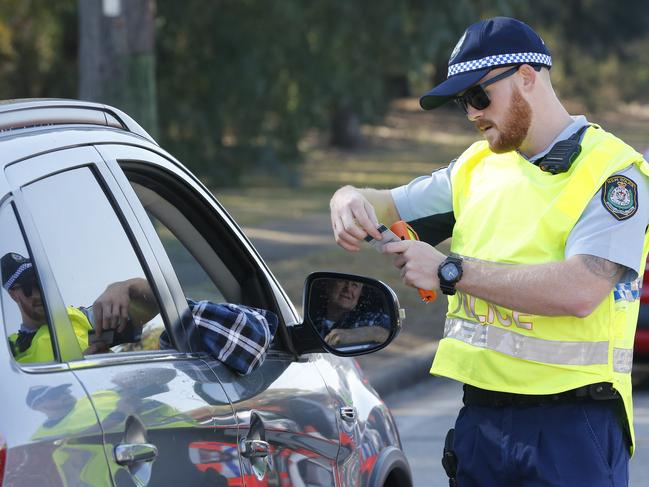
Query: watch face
point(449, 272)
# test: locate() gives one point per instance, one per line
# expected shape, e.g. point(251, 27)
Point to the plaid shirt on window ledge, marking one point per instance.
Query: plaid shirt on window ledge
point(237, 335)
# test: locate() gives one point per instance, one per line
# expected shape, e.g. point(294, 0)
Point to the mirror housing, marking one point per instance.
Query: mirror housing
point(346, 315)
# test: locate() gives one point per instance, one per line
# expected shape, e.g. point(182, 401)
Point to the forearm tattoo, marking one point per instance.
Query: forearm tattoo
point(602, 267)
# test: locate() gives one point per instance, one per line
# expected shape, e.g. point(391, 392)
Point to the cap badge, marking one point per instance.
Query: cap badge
point(456, 49)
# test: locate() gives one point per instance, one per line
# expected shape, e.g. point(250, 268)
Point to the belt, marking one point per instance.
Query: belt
point(474, 396)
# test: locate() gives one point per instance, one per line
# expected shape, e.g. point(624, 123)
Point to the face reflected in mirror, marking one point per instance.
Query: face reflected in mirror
point(342, 297)
point(348, 312)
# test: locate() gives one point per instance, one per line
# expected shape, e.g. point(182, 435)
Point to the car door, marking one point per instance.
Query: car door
point(164, 417)
point(286, 417)
point(48, 424)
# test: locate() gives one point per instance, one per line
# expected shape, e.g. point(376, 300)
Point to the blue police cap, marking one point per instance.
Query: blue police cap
point(488, 44)
point(15, 269)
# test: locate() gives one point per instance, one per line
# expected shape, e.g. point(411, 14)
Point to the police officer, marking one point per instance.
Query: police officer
point(547, 216)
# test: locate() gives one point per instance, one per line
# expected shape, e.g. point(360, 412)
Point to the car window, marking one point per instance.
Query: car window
point(193, 278)
point(23, 310)
point(211, 260)
point(97, 270)
point(202, 272)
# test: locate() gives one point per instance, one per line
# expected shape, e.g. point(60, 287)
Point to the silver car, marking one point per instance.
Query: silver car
point(88, 198)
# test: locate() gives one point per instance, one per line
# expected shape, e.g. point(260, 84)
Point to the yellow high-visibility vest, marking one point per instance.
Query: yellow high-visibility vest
point(40, 349)
point(508, 211)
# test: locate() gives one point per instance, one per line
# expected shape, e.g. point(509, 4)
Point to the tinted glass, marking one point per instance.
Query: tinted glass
point(23, 310)
point(97, 270)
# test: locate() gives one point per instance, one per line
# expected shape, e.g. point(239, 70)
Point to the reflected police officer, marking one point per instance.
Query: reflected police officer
point(122, 304)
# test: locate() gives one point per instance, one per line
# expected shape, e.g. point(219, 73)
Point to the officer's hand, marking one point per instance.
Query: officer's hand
point(110, 309)
point(352, 218)
point(418, 262)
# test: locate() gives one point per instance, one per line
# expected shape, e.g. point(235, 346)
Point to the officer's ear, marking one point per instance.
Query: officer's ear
point(12, 293)
point(528, 76)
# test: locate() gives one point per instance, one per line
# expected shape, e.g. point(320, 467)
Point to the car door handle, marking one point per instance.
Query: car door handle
point(254, 448)
point(131, 453)
point(348, 413)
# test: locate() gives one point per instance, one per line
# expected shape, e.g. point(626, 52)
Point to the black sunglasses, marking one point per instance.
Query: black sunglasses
point(477, 97)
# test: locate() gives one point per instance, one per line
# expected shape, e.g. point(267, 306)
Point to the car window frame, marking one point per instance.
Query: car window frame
point(30, 170)
point(57, 323)
point(121, 159)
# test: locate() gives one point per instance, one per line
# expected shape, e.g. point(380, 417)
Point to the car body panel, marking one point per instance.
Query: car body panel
point(179, 403)
point(297, 414)
point(362, 440)
point(48, 447)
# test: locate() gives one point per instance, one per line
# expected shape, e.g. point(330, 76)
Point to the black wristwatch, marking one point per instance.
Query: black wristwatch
point(449, 273)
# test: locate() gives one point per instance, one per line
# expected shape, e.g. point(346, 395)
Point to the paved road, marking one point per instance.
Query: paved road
point(425, 412)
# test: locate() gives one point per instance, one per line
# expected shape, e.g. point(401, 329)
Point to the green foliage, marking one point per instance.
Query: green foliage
point(599, 48)
point(242, 82)
point(38, 48)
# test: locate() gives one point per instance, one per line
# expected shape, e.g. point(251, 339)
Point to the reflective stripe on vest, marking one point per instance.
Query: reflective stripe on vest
point(536, 349)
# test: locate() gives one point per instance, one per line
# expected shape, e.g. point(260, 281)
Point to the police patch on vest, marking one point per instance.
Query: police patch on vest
point(619, 197)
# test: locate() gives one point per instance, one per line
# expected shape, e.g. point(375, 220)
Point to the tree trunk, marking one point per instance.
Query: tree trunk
point(116, 56)
point(345, 129)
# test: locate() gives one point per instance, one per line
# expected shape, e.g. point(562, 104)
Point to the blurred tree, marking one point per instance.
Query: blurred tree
point(243, 81)
point(38, 48)
point(117, 57)
point(596, 47)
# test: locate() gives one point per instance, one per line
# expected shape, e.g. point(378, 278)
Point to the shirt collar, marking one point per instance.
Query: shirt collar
point(578, 122)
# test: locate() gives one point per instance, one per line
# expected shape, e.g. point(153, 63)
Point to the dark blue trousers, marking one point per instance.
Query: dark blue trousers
point(551, 445)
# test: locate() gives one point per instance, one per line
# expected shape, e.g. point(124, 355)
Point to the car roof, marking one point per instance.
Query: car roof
point(40, 112)
point(52, 124)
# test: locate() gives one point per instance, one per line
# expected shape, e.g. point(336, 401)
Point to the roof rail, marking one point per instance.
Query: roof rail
point(39, 112)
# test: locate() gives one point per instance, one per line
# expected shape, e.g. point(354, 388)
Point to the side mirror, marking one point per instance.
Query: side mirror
point(346, 315)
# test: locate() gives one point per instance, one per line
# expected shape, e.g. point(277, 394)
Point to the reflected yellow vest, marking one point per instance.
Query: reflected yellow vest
point(40, 349)
point(508, 211)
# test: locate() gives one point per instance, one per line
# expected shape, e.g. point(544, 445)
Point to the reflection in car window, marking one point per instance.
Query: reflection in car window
point(23, 310)
point(97, 270)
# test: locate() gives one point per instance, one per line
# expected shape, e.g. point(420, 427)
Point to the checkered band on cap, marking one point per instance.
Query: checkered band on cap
point(500, 60)
point(16, 275)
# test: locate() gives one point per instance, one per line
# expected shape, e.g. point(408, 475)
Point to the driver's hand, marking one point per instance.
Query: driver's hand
point(110, 309)
point(337, 337)
point(98, 347)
